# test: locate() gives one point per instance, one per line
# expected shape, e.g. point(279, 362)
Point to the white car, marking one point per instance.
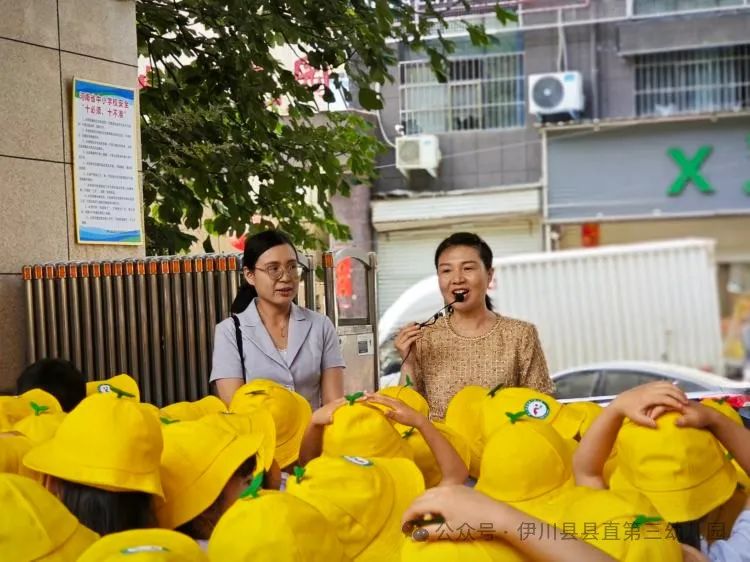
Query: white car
point(609, 379)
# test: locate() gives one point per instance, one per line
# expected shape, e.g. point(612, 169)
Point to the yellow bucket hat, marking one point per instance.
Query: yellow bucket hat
point(40, 427)
point(34, 524)
point(189, 411)
point(105, 442)
point(453, 551)
point(623, 524)
point(499, 405)
point(257, 423)
point(683, 471)
point(408, 396)
point(290, 411)
point(363, 499)
point(197, 462)
point(587, 411)
point(274, 527)
point(145, 545)
point(724, 407)
point(15, 408)
point(13, 448)
point(124, 386)
point(424, 457)
point(464, 415)
point(528, 465)
point(360, 429)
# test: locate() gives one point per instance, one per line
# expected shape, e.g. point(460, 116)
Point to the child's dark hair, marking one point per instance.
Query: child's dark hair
point(200, 527)
point(688, 533)
point(255, 246)
point(472, 241)
point(58, 377)
point(106, 512)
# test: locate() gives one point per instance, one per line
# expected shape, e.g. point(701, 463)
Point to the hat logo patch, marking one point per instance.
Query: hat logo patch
point(104, 388)
point(144, 548)
point(537, 409)
point(359, 461)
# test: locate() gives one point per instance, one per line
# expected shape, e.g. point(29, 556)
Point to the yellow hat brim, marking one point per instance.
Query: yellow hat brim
point(81, 539)
point(114, 547)
point(288, 451)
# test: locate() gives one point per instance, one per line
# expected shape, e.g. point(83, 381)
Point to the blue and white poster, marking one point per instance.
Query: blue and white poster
point(107, 198)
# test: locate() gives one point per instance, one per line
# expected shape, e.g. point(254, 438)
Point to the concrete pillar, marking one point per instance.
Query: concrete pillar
point(43, 45)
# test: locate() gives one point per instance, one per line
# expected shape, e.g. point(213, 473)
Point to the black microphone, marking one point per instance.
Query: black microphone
point(434, 318)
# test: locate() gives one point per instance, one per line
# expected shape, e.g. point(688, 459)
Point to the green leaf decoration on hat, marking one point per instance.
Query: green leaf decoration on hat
point(408, 433)
point(38, 410)
point(167, 421)
point(120, 392)
point(492, 392)
point(352, 398)
point(641, 520)
point(730, 456)
point(408, 382)
point(514, 417)
point(253, 489)
point(299, 473)
point(720, 400)
point(255, 393)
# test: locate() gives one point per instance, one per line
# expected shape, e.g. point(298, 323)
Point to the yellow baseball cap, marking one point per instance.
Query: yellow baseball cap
point(464, 415)
point(256, 423)
point(107, 443)
point(35, 525)
point(363, 499)
point(408, 396)
point(197, 462)
point(623, 524)
point(15, 408)
point(124, 386)
point(274, 527)
point(425, 459)
point(145, 545)
point(500, 406)
point(528, 465)
point(588, 412)
point(724, 407)
point(189, 411)
point(683, 471)
point(360, 429)
point(290, 411)
point(453, 551)
point(13, 448)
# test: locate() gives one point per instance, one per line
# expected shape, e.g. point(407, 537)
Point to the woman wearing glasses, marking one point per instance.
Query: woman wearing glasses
point(472, 345)
point(270, 337)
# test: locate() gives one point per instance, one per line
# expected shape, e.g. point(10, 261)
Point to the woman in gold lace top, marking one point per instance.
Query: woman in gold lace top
point(472, 345)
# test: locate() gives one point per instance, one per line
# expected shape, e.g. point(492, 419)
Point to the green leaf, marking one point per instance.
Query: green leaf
point(38, 410)
point(167, 421)
point(352, 398)
point(408, 382)
point(495, 390)
point(370, 99)
point(641, 520)
point(299, 473)
point(505, 16)
point(253, 489)
point(515, 416)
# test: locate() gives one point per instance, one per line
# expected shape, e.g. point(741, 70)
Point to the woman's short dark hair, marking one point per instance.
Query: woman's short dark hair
point(256, 246)
point(200, 527)
point(106, 512)
point(58, 377)
point(472, 241)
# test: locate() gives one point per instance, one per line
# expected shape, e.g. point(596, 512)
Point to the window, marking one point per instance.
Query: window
point(482, 92)
point(615, 382)
point(576, 385)
point(695, 81)
point(649, 7)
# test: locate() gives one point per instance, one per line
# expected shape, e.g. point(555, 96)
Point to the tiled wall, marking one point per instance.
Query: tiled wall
point(43, 45)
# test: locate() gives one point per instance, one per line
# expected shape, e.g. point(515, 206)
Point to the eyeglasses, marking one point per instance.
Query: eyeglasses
point(276, 271)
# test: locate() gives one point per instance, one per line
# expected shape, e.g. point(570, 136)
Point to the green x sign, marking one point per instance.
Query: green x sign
point(690, 170)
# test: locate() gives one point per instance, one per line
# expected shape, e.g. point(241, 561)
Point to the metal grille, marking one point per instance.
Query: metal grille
point(653, 7)
point(482, 92)
point(153, 319)
point(696, 81)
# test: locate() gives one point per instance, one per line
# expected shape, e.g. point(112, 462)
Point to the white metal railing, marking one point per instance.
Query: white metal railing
point(694, 81)
point(482, 92)
point(668, 7)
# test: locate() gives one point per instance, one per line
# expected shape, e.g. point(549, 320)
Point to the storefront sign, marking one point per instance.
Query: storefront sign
point(107, 198)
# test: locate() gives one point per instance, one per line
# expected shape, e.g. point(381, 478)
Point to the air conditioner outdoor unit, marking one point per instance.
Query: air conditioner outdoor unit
point(418, 152)
point(556, 93)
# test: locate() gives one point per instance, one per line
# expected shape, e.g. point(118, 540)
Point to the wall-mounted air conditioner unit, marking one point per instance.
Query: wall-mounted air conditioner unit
point(418, 152)
point(556, 93)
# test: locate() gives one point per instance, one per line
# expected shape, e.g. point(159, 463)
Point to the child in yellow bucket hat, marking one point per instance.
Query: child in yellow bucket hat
point(35, 525)
point(456, 523)
point(271, 526)
point(363, 499)
point(13, 448)
point(290, 411)
point(464, 415)
point(16, 408)
point(190, 411)
point(425, 458)
point(122, 385)
point(408, 396)
point(103, 463)
point(58, 377)
point(528, 465)
point(144, 545)
point(204, 468)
